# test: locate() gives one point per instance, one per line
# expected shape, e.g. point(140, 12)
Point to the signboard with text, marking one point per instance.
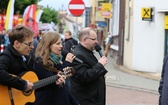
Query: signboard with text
point(106, 6)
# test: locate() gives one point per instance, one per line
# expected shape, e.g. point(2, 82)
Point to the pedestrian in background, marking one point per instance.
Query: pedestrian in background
point(40, 34)
point(88, 84)
point(163, 86)
point(108, 42)
point(69, 41)
point(2, 39)
point(69, 45)
point(48, 63)
point(7, 42)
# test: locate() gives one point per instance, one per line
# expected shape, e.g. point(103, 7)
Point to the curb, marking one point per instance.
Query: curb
point(153, 76)
point(132, 88)
point(148, 75)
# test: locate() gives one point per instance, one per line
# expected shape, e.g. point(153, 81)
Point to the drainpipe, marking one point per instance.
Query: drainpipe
point(129, 15)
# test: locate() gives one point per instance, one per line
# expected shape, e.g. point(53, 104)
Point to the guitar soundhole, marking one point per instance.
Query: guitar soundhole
point(27, 93)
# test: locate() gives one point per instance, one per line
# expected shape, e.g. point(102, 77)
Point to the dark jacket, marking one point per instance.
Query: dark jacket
point(12, 62)
point(2, 39)
point(52, 94)
point(88, 84)
point(69, 43)
point(163, 87)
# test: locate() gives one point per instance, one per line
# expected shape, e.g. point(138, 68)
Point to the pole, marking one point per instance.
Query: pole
point(76, 27)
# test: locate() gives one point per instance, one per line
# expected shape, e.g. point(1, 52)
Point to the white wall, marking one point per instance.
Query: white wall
point(148, 37)
point(115, 24)
point(128, 37)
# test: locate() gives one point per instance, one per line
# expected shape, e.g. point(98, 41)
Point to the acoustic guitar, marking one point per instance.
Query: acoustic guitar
point(11, 96)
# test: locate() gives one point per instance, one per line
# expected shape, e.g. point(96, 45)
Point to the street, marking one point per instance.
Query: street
point(127, 89)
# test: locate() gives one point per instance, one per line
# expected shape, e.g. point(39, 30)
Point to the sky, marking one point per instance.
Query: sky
point(60, 4)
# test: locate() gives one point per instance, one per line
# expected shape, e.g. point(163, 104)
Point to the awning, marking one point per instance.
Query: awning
point(163, 10)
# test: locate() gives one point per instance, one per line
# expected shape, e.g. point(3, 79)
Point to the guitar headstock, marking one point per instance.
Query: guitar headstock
point(69, 71)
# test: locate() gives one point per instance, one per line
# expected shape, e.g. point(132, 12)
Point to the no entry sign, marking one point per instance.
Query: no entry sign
point(76, 7)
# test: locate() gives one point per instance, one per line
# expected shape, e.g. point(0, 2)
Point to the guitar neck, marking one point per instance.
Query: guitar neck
point(44, 82)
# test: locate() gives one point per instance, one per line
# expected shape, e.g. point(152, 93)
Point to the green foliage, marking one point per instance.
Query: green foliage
point(49, 15)
point(20, 5)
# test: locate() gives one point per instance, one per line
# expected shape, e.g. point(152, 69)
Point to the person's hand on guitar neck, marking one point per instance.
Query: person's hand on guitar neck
point(29, 86)
point(61, 79)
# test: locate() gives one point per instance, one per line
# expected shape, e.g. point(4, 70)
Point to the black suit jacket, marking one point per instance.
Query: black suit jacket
point(88, 84)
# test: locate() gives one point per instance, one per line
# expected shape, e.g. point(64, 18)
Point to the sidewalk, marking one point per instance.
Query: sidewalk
point(122, 96)
point(154, 76)
point(120, 76)
point(128, 87)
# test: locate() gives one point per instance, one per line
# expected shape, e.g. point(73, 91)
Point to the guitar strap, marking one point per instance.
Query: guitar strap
point(11, 96)
point(48, 67)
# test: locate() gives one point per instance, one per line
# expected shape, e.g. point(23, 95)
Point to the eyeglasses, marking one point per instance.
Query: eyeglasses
point(92, 38)
point(30, 44)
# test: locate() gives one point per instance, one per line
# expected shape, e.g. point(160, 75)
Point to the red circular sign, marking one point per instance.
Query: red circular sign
point(76, 7)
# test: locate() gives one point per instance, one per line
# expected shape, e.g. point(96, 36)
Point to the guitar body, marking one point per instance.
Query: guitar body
point(4, 96)
point(16, 97)
point(19, 97)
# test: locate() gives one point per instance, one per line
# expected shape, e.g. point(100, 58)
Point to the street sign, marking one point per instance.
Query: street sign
point(76, 7)
point(146, 14)
point(106, 6)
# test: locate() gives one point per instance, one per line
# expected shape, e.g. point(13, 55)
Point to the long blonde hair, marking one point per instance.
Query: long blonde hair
point(43, 48)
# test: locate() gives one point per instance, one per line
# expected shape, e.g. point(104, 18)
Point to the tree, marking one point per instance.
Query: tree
point(49, 15)
point(20, 5)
